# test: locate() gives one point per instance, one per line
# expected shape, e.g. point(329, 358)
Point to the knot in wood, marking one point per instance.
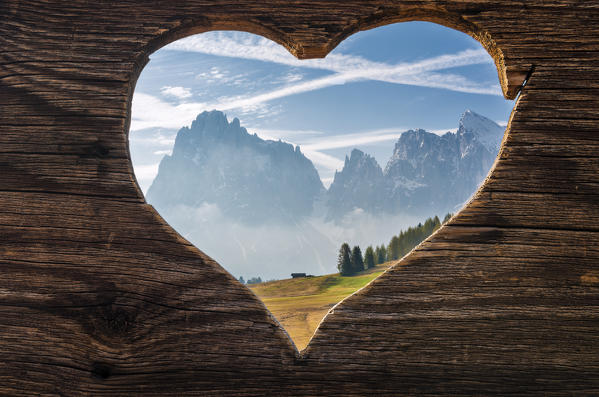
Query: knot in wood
point(95, 150)
point(117, 320)
point(101, 371)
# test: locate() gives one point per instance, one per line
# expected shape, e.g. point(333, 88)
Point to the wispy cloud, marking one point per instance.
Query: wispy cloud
point(353, 139)
point(352, 67)
point(159, 137)
point(292, 77)
point(177, 92)
point(149, 111)
point(323, 160)
point(163, 152)
point(145, 174)
point(218, 75)
point(242, 45)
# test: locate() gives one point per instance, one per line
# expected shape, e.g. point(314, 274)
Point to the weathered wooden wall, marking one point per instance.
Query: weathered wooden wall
point(99, 296)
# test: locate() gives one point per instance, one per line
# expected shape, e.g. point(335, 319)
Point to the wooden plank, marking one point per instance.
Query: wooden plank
point(99, 296)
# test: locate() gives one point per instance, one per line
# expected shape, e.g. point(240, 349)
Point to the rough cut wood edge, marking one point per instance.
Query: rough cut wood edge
point(100, 296)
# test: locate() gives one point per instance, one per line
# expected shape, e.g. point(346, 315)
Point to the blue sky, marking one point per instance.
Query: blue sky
point(364, 94)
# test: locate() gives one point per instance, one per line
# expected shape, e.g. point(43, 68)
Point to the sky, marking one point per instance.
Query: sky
point(375, 85)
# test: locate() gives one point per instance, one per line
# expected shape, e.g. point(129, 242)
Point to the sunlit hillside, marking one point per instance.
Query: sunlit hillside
point(300, 304)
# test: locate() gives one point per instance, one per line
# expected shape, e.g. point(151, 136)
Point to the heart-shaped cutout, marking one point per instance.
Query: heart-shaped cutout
point(245, 196)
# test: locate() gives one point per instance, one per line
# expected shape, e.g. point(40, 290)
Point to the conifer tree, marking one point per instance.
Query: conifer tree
point(427, 228)
point(437, 223)
point(381, 254)
point(369, 257)
point(393, 251)
point(254, 280)
point(344, 260)
point(357, 261)
point(404, 242)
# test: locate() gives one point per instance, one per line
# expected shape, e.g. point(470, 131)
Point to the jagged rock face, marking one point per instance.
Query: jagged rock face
point(421, 170)
point(426, 174)
point(252, 180)
point(486, 131)
point(360, 184)
point(257, 181)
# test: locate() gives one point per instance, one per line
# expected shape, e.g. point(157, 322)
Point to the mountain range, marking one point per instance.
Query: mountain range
point(252, 180)
point(427, 173)
point(258, 181)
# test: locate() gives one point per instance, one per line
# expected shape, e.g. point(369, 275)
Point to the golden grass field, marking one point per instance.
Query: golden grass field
point(300, 304)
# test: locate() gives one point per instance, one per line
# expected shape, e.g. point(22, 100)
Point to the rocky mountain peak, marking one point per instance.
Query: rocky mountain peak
point(411, 145)
point(357, 185)
point(217, 161)
point(359, 161)
point(214, 122)
point(252, 179)
point(427, 172)
point(488, 132)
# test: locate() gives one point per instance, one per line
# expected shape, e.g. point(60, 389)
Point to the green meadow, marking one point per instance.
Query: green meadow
point(300, 304)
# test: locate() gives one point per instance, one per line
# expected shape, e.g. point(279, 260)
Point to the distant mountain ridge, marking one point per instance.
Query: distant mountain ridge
point(426, 174)
point(250, 179)
point(360, 184)
point(259, 181)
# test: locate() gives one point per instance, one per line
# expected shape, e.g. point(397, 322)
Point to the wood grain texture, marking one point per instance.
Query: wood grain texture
point(99, 296)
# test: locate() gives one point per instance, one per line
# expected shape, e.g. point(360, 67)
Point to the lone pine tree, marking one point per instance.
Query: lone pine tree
point(344, 260)
point(381, 254)
point(369, 259)
point(357, 261)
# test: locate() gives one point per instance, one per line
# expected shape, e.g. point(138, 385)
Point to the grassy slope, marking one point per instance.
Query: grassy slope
point(300, 304)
